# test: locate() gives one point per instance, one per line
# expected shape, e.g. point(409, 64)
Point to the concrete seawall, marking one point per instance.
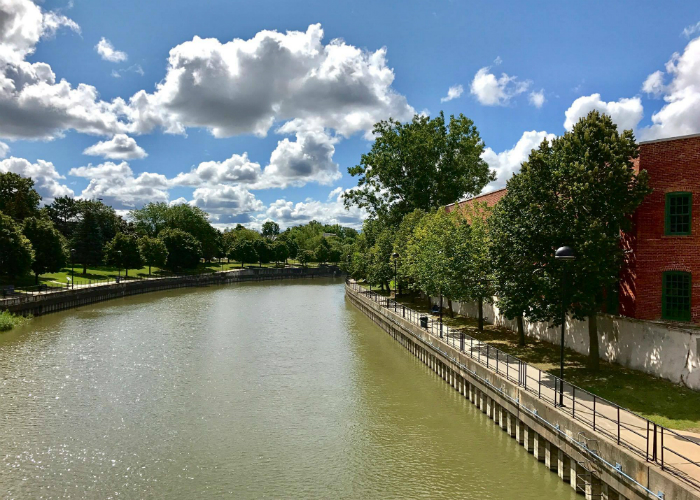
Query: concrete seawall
point(591, 462)
point(66, 299)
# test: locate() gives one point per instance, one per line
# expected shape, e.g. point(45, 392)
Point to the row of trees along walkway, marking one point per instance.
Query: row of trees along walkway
point(577, 190)
point(676, 452)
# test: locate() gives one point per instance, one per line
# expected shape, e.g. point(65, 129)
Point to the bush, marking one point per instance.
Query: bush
point(8, 321)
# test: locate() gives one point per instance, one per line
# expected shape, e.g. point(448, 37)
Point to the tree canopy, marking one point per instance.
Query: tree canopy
point(423, 164)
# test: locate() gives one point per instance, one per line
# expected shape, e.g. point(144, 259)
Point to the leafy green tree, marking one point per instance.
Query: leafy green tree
point(292, 248)
point(579, 191)
point(429, 255)
point(518, 274)
point(280, 251)
point(184, 250)
point(381, 269)
point(264, 251)
point(151, 219)
point(48, 245)
point(63, 211)
point(471, 269)
point(423, 165)
point(88, 240)
point(270, 229)
point(304, 257)
point(153, 251)
point(18, 198)
point(322, 251)
point(16, 253)
point(403, 235)
point(124, 252)
point(335, 254)
point(244, 251)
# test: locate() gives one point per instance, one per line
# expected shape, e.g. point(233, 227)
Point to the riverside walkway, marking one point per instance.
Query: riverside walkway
point(673, 451)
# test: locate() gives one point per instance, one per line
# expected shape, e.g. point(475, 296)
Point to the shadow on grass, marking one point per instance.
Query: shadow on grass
point(659, 400)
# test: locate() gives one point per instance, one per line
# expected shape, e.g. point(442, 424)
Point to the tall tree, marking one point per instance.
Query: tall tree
point(270, 229)
point(48, 245)
point(18, 198)
point(153, 251)
point(123, 251)
point(281, 251)
point(88, 240)
point(184, 250)
point(423, 164)
point(150, 219)
point(64, 211)
point(403, 236)
point(581, 191)
point(243, 252)
point(16, 253)
point(472, 269)
point(264, 251)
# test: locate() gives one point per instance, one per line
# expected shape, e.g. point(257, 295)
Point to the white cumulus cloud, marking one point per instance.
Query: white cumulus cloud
point(287, 213)
point(654, 84)
point(537, 98)
point(107, 51)
point(244, 86)
point(116, 184)
point(681, 113)
point(453, 93)
point(625, 113)
point(496, 91)
point(46, 177)
point(226, 204)
point(119, 147)
point(507, 163)
point(236, 169)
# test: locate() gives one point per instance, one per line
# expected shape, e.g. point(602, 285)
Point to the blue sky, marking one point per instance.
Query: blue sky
point(201, 102)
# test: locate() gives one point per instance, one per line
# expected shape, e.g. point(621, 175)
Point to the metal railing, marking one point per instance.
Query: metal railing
point(638, 434)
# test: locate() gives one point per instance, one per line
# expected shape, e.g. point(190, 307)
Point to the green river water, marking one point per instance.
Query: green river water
point(256, 390)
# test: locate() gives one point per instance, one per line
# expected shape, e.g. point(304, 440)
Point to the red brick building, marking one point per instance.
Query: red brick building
point(662, 251)
point(664, 244)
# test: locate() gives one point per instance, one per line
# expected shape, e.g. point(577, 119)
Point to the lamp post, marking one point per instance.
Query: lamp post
point(119, 264)
point(396, 281)
point(564, 254)
point(72, 268)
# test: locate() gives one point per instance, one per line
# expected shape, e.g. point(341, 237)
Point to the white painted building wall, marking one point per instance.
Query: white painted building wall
point(662, 349)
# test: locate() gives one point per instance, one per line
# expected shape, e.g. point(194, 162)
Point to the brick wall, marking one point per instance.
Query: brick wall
point(673, 165)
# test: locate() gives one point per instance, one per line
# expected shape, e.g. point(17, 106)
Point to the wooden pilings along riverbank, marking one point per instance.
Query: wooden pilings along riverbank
point(83, 295)
point(594, 465)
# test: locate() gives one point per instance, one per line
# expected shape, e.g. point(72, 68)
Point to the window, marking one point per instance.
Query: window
point(676, 296)
point(678, 216)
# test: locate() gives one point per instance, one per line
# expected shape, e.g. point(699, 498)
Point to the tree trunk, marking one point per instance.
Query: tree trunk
point(521, 331)
point(594, 352)
point(149, 269)
point(126, 272)
point(430, 305)
point(84, 269)
point(481, 314)
point(449, 304)
point(36, 278)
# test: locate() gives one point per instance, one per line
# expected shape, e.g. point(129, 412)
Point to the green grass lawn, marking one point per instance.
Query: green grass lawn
point(659, 400)
point(102, 273)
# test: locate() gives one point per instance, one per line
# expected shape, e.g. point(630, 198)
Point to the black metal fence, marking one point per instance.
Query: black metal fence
point(671, 450)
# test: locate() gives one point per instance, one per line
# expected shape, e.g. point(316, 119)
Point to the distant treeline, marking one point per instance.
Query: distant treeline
point(89, 233)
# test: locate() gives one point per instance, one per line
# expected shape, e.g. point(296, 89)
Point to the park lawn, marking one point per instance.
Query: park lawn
point(101, 273)
point(659, 400)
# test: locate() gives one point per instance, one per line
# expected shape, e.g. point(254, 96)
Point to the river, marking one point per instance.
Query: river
point(253, 390)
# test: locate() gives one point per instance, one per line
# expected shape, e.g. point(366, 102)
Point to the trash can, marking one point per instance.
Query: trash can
point(424, 322)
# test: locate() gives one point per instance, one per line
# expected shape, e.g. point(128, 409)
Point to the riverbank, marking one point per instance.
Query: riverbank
point(597, 447)
point(57, 300)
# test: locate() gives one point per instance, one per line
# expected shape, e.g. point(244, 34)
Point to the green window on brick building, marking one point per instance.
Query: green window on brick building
point(678, 213)
point(676, 296)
